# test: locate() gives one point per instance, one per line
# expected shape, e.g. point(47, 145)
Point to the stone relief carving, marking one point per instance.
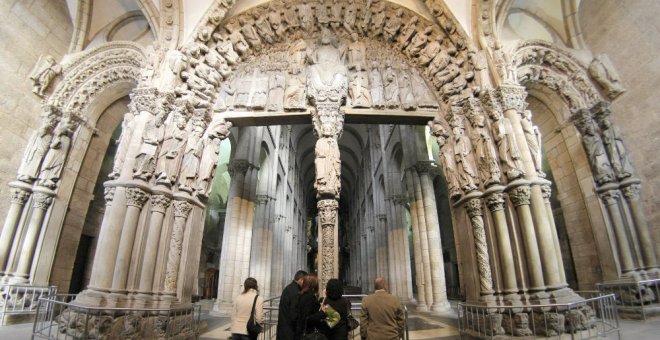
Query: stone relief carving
point(53, 163)
point(327, 163)
point(38, 145)
point(174, 140)
point(377, 90)
point(43, 73)
point(218, 130)
point(508, 152)
point(604, 73)
point(484, 147)
point(169, 76)
point(359, 92)
point(611, 136)
point(391, 85)
point(446, 158)
point(276, 85)
point(152, 136)
point(408, 101)
point(598, 159)
point(463, 156)
point(534, 140)
point(191, 157)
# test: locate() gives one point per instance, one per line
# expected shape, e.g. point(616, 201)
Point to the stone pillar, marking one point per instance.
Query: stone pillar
point(424, 238)
point(631, 194)
point(135, 199)
point(417, 248)
point(41, 202)
point(546, 190)
point(159, 205)
point(328, 252)
point(495, 203)
point(520, 197)
point(473, 208)
point(181, 211)
point(440, 302)
point(20, 192)
point(381, 239)
point(611, 200)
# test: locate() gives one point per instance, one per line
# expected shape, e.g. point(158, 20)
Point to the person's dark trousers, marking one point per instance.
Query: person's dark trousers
point(240, 337)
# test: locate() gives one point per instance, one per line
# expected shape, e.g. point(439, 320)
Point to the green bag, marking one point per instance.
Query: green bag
point(332, 317)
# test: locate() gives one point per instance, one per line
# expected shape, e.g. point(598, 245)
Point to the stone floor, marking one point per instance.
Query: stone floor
point(421, 325)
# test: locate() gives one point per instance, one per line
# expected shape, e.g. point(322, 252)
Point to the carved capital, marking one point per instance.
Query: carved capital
point(512, 97)
point(491, 101)
point(18, 196)
point(160, 203)
point(109, 194)
point(182, 209)
point(495, 201)
point(546, 192)
point(144, 99)
point(520, 195)
point(136, 197)
point(422, 167)
point(327, 212)
point(473, 207)
point(238, 167)
point(610, 197)
point(631, 192)
point(42, 201)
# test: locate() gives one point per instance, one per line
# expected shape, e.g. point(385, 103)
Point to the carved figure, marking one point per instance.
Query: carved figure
point(327, 72)
point(43, 73)
point(406, 95)
point(154, 55)
point(392, 25)
point(195, 51)
point(38, 145)
point(306, 16)
point(485, 150)
point(275, 92)
point(322, 14)
point(225, 100)
point(152, 136)
point(291, 16)
point(51, 169)
point(275, 20)
point(327, 163)
point(533, 138)
point(446, 75)
point(238, 42)
point(377, 90)
point(263, 27)
point(209, 74)
point(196, 83)
point(479, 64)
point(423, 95)
point(169, 157)
point(602, 70)
point(358, 90)
point(250, 33)
point(439, 62)
point(446, 158)
point(335, 15)
point(191, 157)
point(430, 51)
point(616, 151)
point(357, 54)
point(259, 95)
point(464, 160)
point(391, 87)
point(226, 49)
point(418, 42)
point(598, 159)
point(173, 64)
point(378, 20)
point(350, 16)
point(506, 146)
point(455, 87)
point(294, 93)
point(209, 160)
point(407, 32)
point(123, 142)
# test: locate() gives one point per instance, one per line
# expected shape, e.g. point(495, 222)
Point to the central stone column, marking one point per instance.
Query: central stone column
point(326, 88)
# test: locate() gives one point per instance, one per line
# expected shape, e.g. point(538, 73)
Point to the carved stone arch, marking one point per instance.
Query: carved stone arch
point(557, 69)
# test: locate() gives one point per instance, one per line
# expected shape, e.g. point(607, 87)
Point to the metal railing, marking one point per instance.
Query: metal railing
point(634, 299)
point(588, 319)
point(21, 299)
point(59, 318)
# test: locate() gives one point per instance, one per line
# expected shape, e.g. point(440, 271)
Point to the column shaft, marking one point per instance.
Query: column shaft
point(159, 205)
point(611, 200)
point(417, 248)
point(181, 212)
point(520, 196)
point(423, 236)
point(631, 194)
point(135, 200)
point(18, 199)
point(473, 207)
point(40, 206)
point(495, 203)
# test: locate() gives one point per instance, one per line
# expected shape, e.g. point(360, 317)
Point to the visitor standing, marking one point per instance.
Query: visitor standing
point(243, 309)
point(287, 317)
point(382, 314)
point(310, 317)
point(334, 303)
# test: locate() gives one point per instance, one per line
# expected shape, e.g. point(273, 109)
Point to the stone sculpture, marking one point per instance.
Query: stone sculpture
point(616, 150)
point(294, 93)
point(484, 150)
point(152, 136)
point(39, 143)
point(174, 140)
point(191, 158)
point(263, 28)
point(378, 20)
point(327, 73)
point(603, 72)
point(446, 158)
point(392, 25)
point(275, 92)
point(467, 174)
point(174, 63)
point(249, 33)
point(423, 95)
point(226, 50)
point(359, 91)
point(51, 169)
point(377, 90)
point(350, 16)
point(439, 63)
point(506, 145)
point(43, 73)
point(291, 16)
point(356, 54)
point(430, 51)
point(216, 132)
point(306, 16)
point(600, 164)
point(406, 95)
point(418, 42)
point(533, 138)
point(225, 100)
point(407, 32)
point(275, 20)
point(327, 163)
point(391, 85)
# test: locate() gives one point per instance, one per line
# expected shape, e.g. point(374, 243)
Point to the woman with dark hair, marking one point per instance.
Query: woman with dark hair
point(334, 300)
point(310, 315)
point(243, 309)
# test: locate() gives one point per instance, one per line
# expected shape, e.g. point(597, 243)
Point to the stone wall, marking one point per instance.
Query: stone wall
point(28, 29)
point(628, 32)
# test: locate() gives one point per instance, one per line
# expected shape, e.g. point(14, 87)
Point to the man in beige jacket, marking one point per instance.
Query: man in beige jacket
point(382, 314)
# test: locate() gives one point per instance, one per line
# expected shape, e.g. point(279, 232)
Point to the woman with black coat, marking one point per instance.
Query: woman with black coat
point(334, 292)
point(310, 315)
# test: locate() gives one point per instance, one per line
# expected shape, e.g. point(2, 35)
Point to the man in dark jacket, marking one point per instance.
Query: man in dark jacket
point(288, 309)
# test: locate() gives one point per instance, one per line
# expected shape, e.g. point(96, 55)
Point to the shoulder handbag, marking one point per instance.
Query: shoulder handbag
point(316, 335)
point(351, 321)
point(253, 327)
